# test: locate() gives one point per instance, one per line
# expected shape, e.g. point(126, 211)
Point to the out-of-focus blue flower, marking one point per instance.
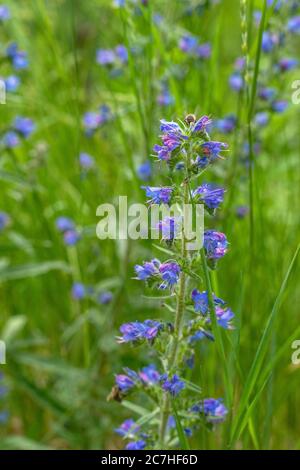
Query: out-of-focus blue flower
point(86, 161)
point(293, 25)
point(215, 244)
point(10, 139)
point(242, 211)
point(261, 119)
point(174, 385)
point(71, 237)
point(214, 410)
point(287, 64)
point(136, 331)
point(124, 382)
point(119, 3)
point(269, 41)
point(64, 223)
point(144, 171)
point(12, 83)
point(204, 51)
point(236, 81)
point(266, 93)
point(201, 304)
point(165, 98)
point(105, 56)
point(224, 317)
point(19, 58)
point(105, 298)
point(210, 194)
point(24, 126)
point(188, 44)
point(279, 106)
point(169, 273)
point(78, 291)
point(227, 124)
point(148, 269)
point(4, 220)
point(240, 64)
point(158, 195)
point(149, 375)
point(128, 429)
point(136, 445)
point(122, 53)
point(4, 13)
point(168, 228)
point(94, 120)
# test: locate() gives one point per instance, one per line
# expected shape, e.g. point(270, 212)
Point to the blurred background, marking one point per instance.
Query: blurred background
point(86, 86)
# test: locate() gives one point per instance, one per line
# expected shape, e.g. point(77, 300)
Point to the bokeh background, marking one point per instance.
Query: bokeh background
point(60, 337)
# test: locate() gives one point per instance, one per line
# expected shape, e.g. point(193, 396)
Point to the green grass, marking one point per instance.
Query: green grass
point(61, 354)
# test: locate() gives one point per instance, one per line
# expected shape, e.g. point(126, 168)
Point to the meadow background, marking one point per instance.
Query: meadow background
point(61, 351)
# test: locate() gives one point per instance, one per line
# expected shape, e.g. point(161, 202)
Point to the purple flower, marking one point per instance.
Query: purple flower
point(12, 83)
point(148, 269)
point(174, 385)
point(128, 429)
point(269, 41)
point(204, 51)
point(242, 211)
point(172, 138)
point(78, 291)
point(105, 56)
point(261, 119)
point(279, 106)
point(124, 382)
point(105, 298)
point(201, 304)
point(227, 124)
point(287, 64)
point(4, 13)
point(18, 58)
point(202, 124)
point(158, 195)
point(224, 317)
point(24, 126)
point(266, 94)
point(293, 25)
point(91, 121)
point(136, 331)
point(236, 82)
point(210, 194)
point(169, 273)
point(71, 237)
point(215, 244)
point(214, 410)
point(149, 375)
point(144, 171)
point(86, 161)
point(212, 149)
point(136, 445)
point(121, 53)
point(4, 221)
point(168, 228)
point(188, 44)
point(64, 223)
point(165, 98)
point(11, 139)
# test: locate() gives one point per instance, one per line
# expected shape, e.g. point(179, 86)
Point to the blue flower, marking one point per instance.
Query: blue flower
point(10, 139)
point(12, 83)
point(242, 211)
point(212, 149)
point(78, 291)
point(174, 385)
point(236, 81)
point(200, 300)
point(293, 25)
point(224, 317)
point(71, 237)
point(266, 93)
point(169, 273)
point(149, 375)
point(168, 228)
point(210, 194)
point(214, 410)
point(261, 119)
point(121, 53)
point(136, 445)
point(105, 56)
point(172, 139)
point(105, 298)
point(128, 428)
point(201, 124)
point(158, 195)
point(86, 161)
point(227, 124)
point(136, 331)
point(269, 41)
point(24, 126)
point(279, 106)
point(124, 382)
point(4, 221)
point(287, 64)
point(64, 223)
point(144, 171)
point(215, 244)
point(165, 98)
point(188, 44)
point(4, 13)
point(148, 269)
point(204, 51)
point(18, 58)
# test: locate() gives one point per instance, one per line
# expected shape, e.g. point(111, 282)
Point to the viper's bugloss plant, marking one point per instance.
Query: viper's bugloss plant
point(195, 311)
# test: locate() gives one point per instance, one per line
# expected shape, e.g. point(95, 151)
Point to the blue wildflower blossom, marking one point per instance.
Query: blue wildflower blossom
point(168, 228)
point(188, 44)
point(236, 81)
point(204, 51)
point(212, 149)
point(86, 161)
point(211, 195)
point(148, 269)
point(215, 244)
point(124, 382)
point(266, 93)
point(279, 106)
point(105, 298)
point(174, 385)
point(18, 58)
point(201, 124)
point(149, 375)
point(269, 41)
point(165, 98)
point(158, 195)
point(64, 223)
point(224, 317)
point(201, 304)
point(4, 13)
point(213, 409)
point(78, 291)
point(4, 221)
point(136, 445)
point(71, 237)
point(169, 273)
point(261, 119)
point(293, 25)
point(105, 57)
point(242, 211)
point(12, 83)
point(24, 126)
point(136, 331)
point(172, 138)
point(286, 64)
point(128, 428)
point(144, 171)
point(122, 53)
point(10, 139)
point(227, 124)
